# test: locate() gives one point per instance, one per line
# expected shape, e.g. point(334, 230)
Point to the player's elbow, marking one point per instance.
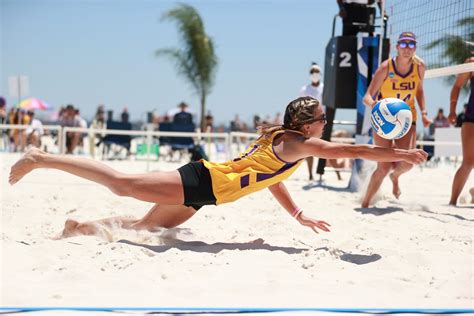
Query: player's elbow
point(367, 100)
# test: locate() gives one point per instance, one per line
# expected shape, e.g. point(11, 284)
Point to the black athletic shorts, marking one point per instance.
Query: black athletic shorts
point(468, 119)
point(197, 185)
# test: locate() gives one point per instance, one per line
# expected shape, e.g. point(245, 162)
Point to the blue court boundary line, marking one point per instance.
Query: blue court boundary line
point(217, 310)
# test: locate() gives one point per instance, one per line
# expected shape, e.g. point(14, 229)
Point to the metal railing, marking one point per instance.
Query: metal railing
point(229, 139)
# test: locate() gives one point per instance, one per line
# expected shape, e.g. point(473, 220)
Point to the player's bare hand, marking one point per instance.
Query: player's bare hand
point(452, 118)
point(313, 223)
point(426, 121)
point(416, 156)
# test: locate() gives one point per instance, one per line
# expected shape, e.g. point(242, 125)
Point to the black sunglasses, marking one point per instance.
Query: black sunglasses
point(407, 44)
point(321, 118)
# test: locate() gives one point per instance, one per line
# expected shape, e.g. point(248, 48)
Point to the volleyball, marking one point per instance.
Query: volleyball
point(391, 118)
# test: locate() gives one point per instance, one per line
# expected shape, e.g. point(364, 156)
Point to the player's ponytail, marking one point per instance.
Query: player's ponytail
point(268, 129)
point(298, 112)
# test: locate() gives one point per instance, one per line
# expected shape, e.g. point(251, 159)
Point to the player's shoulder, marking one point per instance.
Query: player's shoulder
point(421, 63)
point(385, 64)
point(383, 69)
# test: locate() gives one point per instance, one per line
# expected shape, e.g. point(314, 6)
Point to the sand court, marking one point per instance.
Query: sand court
point(415, 252)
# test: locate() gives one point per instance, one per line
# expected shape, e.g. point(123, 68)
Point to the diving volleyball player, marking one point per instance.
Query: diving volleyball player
point(179, 194)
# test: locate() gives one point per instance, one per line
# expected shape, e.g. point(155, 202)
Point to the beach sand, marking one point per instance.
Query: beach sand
point(416, 252)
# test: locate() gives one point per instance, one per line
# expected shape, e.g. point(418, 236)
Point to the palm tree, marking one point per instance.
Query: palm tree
point(195, 60)
point(456, 48)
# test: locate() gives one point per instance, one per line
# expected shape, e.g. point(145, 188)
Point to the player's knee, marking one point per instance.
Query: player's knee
point(143, 224)
point(168, 225)
point(469, 161)
point(407, 167)
point(383, 169)
point(152, 226)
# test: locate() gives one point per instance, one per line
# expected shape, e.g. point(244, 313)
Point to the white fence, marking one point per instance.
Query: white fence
point(224, 145)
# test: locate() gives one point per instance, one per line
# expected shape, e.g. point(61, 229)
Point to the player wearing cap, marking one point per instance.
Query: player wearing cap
point(398, 77)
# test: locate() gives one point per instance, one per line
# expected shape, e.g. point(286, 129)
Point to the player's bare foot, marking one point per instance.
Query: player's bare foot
point(396, 189)
point(23, 166)
point(70, 229)
point(74, 228)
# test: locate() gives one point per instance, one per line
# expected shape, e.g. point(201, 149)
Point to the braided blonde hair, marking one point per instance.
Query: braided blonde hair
point(298, 112)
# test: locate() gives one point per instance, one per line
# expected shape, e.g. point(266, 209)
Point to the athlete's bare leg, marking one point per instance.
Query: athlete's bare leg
point(156, 187)
point(406, 142)
point(74, 138)
point(164, 216)
point(337, 165)
point(462, 174)
point(383, 168)
point(310, 161)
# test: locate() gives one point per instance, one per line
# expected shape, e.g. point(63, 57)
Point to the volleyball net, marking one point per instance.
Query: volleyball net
point(444, 31)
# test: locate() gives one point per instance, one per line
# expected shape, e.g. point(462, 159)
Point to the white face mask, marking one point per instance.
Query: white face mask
point(315, 77)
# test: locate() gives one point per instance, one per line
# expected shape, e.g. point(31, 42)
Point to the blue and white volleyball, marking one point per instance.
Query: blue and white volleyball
point(391, 118)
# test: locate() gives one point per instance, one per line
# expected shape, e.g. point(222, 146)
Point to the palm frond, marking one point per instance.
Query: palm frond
point(467, 21)
point(456, 48)
point(181, 63)
point(195, 59)
point(436, 43)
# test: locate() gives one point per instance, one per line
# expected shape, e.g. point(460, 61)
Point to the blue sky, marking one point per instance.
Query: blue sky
point(89, 52)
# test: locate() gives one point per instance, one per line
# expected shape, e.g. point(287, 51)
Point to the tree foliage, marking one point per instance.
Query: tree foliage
point(456, 48)
point(195, 59)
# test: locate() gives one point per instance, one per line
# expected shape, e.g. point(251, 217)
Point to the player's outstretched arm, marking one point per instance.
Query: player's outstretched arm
point(323, 149)
point(281, 194)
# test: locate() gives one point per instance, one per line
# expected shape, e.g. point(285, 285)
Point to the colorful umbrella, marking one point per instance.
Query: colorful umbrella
point(33, 104)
